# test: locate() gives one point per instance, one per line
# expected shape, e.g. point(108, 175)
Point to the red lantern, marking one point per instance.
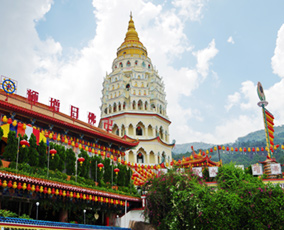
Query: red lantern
point(69, 142)
point(24, 143)
point(262, 149)
point(108, 155)
point(135, 175)
point(100, 165)
point(10, 121)
point(76, 145)
point(90, 150)
point(37, 188)
point(116, 170)
point(236, 149)
point(29, 187)
point(54, 137)
point(19, 185)
point(45, 190)
point(228, 149)
point(10, 184)
point(115, 158)
point(81, 160)
point(253, 149)
point(245, 149)
point(52, 152)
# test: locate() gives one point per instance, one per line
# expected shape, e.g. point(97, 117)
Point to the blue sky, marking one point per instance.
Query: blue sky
point(210, 53)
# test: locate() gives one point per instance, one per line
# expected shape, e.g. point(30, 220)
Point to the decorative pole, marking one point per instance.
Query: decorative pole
point(268, 119)
point(269, 131)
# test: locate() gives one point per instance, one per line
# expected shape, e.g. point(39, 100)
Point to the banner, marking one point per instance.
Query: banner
point(256, 169)
point(213, 171)
point(275, 169)
point(197, 171)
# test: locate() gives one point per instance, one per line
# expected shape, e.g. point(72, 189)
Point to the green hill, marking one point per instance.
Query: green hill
point(254, 139)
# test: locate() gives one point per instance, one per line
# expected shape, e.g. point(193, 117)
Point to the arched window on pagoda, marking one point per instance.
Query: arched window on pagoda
point(163, 157)
point(105, 110)
point(143, 64)
point(150, 131)
point(120, 64)
point(149, 66)
point(119, 106)
point(128, 63)
point(136, 62)
point(123, 130)
point(140, 105)
point(146, 105)
point(140, 158)
point(133, 105)
point(124, 105)
point(114, 107)
point(139, 131)
point(161, 133)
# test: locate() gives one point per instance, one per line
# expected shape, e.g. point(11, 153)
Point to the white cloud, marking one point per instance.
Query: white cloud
point(232, 100)
point(203, 58)
point(231, 40)
point(278, 59)
point(191, 9)
point(38, 64)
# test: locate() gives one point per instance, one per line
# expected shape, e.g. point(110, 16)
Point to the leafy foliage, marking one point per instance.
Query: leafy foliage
point(10, 152)
point(33, 158)
point(241, 201)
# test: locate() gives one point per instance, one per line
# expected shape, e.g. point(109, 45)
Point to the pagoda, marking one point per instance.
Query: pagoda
point(134, 103)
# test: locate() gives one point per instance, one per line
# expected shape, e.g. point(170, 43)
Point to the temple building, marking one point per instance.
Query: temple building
point(134, 101)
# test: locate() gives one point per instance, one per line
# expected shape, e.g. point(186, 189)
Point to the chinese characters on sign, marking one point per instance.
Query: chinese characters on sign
point(197, 171)
point(275, 168)
point(213, 171)
point(54, 104)
point(74, 112)
point(91, 118)
point(256, 169)
point(32, 96)
point(108, 125)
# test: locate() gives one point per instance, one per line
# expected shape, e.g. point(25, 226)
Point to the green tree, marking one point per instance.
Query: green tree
point(83, 170)
point(95, 160)
point(23, 151)
point(62, 157)
point(1, 133)
point(10, 151)
point(70, 162)
point(107, 170)
point(53, 162)
point(33, 154)
point(42, 151)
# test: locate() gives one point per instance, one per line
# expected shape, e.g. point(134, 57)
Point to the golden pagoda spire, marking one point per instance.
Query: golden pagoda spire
point(131, 44)
point(131, 34)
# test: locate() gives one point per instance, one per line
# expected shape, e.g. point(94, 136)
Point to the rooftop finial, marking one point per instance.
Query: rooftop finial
point(131, 14)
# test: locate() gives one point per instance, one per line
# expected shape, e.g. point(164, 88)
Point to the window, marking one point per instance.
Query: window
point(139, 131)
point(120, 64)
point(136, 62)
point(143, 64)
point(140, 158)
point(128, 63)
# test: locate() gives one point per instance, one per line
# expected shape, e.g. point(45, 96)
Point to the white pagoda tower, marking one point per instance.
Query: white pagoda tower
point(134, 99)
